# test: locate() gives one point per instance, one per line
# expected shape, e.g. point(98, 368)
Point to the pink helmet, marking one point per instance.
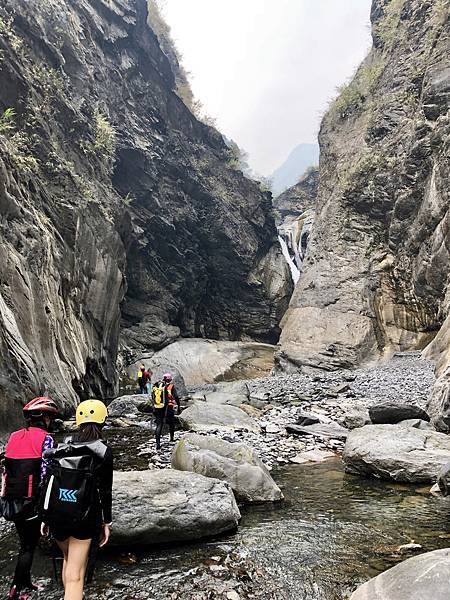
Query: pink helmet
point(41, 405)
point(167, 377)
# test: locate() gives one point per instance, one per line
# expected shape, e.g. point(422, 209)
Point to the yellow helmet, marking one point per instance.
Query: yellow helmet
point(91, 411)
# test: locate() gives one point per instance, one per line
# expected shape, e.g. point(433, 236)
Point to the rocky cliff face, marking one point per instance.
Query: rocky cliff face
point(117, 205)
point(297, 199)
point(377, 269)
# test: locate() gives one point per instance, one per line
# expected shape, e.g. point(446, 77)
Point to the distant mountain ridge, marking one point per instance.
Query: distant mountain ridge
point(294, 167)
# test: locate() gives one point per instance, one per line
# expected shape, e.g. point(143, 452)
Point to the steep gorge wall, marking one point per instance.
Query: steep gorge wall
point(376, 274)
point(117, 207)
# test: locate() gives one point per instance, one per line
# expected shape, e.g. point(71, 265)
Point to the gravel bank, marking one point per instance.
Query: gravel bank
point(406, 378)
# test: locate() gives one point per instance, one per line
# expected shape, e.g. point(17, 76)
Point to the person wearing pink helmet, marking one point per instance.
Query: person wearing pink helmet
point(165, 398)
point(24, 469)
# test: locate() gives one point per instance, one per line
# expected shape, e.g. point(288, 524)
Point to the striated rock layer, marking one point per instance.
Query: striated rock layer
point(376, 274)
point(118, 207)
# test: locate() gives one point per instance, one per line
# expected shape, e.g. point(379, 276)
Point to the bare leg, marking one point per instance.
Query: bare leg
point(64, 547)
point(75, 567)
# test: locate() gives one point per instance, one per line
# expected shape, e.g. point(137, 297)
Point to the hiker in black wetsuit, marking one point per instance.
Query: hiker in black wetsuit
point(165, 398)
point(74, 538)
point(24, 469)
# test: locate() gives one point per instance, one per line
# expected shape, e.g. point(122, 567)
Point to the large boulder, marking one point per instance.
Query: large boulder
point(236, 463)
point(396, 452)
point(203, 416)
point(423, 577)
point(128, 405)
point(226, 392)
point(391, 413)
point(153, 507)
point(201, 361)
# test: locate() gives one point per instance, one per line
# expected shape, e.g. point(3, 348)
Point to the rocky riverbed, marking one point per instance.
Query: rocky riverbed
point(294, 548)
point(335, 398)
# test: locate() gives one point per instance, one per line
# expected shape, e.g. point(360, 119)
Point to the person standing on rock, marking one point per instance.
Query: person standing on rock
point(24, 469)
point(144, 380)
point(77, 497)
point(165, 398)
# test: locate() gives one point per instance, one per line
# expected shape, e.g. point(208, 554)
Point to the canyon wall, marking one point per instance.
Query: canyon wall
point(120, 212)
point(375, 278)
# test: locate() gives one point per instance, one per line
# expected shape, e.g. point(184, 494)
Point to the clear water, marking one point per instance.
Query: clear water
point(332, 532)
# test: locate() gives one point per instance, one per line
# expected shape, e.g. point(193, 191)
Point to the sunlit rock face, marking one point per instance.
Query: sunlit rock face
point(375, 277)
point(120, 212)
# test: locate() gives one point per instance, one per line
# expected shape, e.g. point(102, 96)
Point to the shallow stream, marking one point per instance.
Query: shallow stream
point(332, 532)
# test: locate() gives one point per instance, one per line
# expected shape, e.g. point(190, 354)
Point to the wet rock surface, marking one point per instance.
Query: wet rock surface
point(294, 213)
point(420, 577)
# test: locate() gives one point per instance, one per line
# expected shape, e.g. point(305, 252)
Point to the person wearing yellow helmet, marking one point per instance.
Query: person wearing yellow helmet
point(91, 411)
point(77, 509)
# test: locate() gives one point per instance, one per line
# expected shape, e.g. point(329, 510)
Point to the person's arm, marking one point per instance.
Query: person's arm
point(105, 482)
point(46, 462)
point(177, 398)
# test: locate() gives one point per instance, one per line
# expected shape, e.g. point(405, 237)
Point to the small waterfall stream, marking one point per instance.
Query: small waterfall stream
point(293, 236)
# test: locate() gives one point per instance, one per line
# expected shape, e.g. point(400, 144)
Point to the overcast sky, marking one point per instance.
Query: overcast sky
point(267, 69)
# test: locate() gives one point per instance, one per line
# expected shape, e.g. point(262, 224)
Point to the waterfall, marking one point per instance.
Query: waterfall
point(293, 235)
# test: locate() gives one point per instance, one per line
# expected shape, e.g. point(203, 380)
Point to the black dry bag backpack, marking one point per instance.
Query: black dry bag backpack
point(70, 488)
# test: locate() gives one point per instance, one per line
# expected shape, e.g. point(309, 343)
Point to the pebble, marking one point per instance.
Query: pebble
point(406, 548)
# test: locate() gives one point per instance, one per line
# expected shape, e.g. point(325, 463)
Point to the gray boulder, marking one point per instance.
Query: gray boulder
point(227, 392)
point(125, 405)
point(443, 480)
point(304, 418)
point(391, 413)
point(355, 417)
point(423, 577)
point(203, 416)
point(236, 463)
point(152, 507)
point(417, 423)
point(398, 453)
point(320, 430)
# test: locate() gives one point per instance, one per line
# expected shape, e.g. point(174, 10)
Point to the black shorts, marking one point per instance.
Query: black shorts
point(84, 531)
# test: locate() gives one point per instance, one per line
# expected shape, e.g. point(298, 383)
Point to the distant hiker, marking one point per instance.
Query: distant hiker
point(24, 468)
point(165, 398)
point(144, 380)
point(77, 496)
